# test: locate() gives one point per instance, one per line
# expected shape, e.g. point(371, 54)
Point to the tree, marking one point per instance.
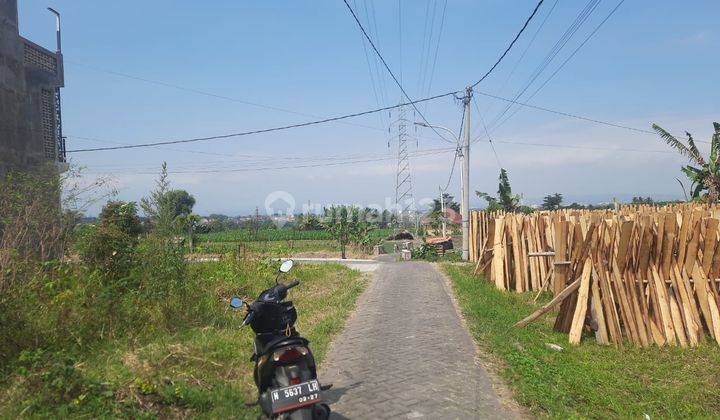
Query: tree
point(122, 215)
point(159, 211)
point(705, 174)
point(642, 200)
point(110, 244)
point(188, 223)
point(164, 206)
point(450, 203)
point(309, 221)
point(505, 199)
point(552, 202)
point(345, 224)
point(182, 202)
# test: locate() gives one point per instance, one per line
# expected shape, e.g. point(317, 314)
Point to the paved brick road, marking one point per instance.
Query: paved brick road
point(405, 354)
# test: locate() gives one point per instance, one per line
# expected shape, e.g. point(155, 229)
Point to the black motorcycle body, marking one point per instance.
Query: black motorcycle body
point(285, 372)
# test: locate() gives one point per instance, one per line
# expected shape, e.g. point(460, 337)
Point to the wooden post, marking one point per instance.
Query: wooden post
point(560, 269)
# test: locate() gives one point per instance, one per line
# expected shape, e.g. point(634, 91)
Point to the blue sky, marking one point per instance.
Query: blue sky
point(651, 62)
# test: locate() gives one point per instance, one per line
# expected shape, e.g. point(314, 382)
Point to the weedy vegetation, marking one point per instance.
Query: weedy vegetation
point(110, 320)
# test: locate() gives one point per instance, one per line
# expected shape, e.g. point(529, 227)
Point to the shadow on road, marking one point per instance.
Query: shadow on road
point(333, 395)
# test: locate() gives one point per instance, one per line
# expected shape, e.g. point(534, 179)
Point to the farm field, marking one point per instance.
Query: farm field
point(198, 368)
point(280, 243)
point(288, 248)
point(248, 235)
point(589, 380)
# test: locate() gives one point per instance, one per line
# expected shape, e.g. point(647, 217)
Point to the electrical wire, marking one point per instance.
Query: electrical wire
point(374, 31)
point(399, 84)
point(172, 149)
point(576, 116)
point(437, 48)
point(324, 164)
point(259, 159)
point(452, 170)
point(482, 120)
point(578, 147)
point(580, 20)
point(400, 41)
point(527, 48)
point(597, 28)
point(422, 47)
point(210, 94)
point(260, 131)
point(507, 50)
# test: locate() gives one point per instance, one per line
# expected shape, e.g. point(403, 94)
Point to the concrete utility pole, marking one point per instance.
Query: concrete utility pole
point(466, 178)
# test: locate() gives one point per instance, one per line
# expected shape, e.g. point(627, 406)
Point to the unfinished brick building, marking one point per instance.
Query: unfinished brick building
point(30, 80)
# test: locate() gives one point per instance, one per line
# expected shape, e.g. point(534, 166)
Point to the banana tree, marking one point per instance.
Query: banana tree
point(704, 174)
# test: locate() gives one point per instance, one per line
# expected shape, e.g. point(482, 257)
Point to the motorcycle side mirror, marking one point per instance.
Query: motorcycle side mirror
point(236, 302)
point(286, 266)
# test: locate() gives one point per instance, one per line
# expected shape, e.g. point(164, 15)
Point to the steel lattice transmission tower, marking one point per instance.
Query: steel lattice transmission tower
point(404, 199)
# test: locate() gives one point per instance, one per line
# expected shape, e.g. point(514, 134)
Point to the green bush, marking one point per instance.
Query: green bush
point(107, 248)
point(425, 252)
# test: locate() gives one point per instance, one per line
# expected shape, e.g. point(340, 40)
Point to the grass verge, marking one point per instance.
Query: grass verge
point(590, 380)
point(198, 370)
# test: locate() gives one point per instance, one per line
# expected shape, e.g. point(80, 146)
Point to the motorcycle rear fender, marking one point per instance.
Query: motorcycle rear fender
point(277, 374)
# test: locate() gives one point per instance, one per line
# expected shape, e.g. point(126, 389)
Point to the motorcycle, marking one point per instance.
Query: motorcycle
point(285, 371)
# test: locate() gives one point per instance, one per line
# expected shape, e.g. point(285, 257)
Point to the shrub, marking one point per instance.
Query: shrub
point(107, 248)
point(122, 215)
point(425, 252)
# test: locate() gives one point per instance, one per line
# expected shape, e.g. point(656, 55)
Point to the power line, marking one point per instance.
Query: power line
point(452, 169)
point(324, 164)
point(352, 12)
point(567, 114)
point(587, 38)
point(437, 47)
point(482, 120)
point(425, 42)
point(261, 131)
point(209, 94)
point(370, 69)
point(374, 31)
point(554, 51)
point(578, 147)
point(527, 48)
point(399, 43)
point(507, 50)
point(172, 149)
point(252, 161)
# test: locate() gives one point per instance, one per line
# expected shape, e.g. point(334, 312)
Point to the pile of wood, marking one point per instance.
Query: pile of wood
point(643, 274)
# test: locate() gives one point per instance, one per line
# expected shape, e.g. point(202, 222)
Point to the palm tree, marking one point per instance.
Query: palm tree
point(705, 174)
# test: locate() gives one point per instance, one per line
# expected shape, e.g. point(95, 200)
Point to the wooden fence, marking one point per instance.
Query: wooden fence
point(645, 274)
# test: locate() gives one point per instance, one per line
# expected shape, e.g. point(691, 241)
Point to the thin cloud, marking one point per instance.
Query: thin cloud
point(699, 38)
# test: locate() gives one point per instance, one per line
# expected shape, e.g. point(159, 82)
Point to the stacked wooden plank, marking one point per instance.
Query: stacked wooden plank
point(643, 274)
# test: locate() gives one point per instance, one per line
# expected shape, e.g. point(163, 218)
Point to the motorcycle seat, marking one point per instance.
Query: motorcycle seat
point(281, 341)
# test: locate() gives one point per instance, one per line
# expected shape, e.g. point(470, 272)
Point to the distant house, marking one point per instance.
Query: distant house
point(30, 80)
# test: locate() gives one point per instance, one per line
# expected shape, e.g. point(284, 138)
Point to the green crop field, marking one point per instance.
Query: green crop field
point(248, 235)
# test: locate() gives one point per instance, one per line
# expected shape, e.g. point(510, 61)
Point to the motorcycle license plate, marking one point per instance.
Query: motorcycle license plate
point(295, 396)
